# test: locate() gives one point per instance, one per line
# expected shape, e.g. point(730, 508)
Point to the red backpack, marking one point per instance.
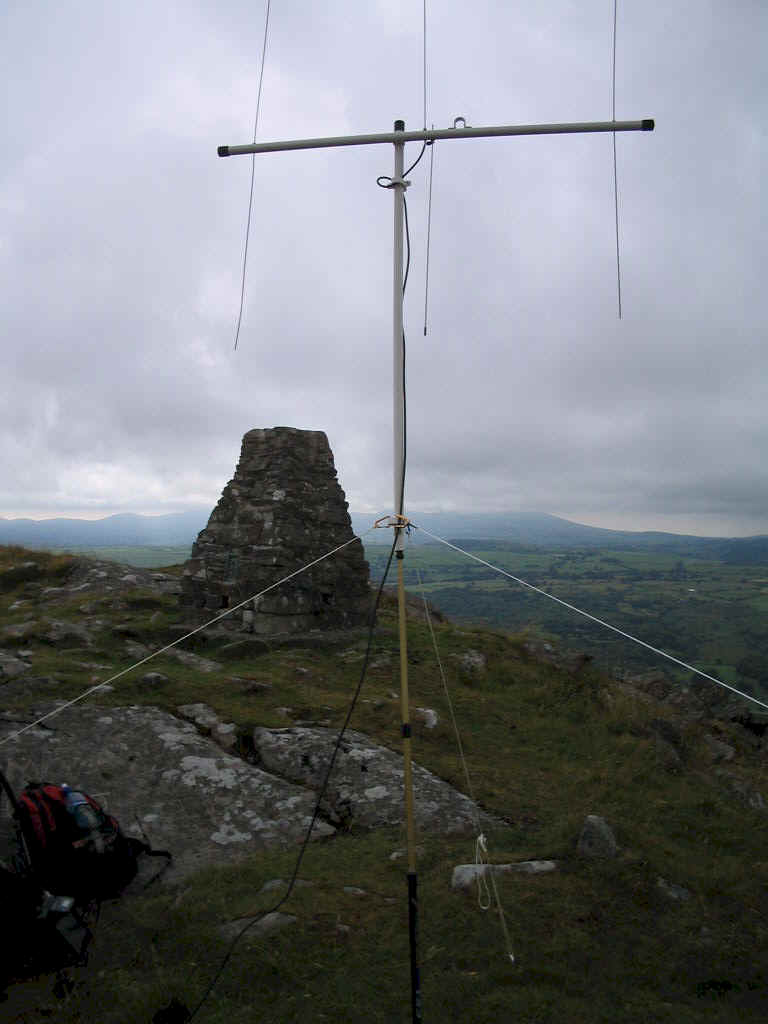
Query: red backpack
point(73, 846)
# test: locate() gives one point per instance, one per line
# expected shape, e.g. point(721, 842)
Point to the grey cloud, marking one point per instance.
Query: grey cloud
point(121, 238)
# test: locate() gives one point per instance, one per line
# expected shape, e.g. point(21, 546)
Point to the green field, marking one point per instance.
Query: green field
point(708, 613)
point(150, 557)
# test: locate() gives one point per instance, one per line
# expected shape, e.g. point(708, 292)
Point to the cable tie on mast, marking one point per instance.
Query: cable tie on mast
point(386, 181)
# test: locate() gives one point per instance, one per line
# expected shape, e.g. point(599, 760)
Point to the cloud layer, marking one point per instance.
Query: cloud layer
point(121, 239)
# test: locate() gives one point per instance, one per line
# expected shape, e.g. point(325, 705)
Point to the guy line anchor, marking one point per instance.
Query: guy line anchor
point(398, 138)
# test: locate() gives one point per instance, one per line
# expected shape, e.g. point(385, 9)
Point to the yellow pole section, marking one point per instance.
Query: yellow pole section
point(406, 720)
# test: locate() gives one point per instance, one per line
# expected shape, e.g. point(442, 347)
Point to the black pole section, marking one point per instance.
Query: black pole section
point(413, 914)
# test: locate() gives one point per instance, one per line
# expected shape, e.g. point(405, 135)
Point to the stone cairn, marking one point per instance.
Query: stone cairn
point(283, 508)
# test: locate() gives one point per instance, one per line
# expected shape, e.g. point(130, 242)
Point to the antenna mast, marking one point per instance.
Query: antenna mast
point(398, 138)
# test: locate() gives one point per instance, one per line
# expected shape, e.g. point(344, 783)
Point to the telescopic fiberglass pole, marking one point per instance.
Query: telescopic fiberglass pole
point(398, 186)
point(398, 138)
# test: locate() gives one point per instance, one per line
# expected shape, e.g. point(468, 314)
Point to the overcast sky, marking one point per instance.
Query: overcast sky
point(121, 236)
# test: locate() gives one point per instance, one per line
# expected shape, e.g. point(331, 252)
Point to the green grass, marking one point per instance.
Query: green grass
point(594, 941)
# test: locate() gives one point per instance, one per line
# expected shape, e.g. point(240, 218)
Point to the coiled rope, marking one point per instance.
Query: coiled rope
point(484, 868)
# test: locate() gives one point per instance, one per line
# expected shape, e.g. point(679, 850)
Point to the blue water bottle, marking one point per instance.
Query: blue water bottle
point(84, 815)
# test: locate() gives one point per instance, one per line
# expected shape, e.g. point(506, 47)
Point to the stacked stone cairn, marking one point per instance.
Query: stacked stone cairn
point(283, 509)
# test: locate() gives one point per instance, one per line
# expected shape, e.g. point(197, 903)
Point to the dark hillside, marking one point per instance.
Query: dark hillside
point(670, 925)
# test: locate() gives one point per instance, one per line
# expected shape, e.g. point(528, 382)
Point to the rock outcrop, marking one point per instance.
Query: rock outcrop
point(144, 765)
point(283, 509)
point(182, 782)
point(366, 787)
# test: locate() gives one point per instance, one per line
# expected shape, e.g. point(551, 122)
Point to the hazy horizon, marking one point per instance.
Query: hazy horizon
point(658, 524)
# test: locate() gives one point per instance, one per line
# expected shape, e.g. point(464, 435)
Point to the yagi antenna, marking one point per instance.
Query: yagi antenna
point(398, 521)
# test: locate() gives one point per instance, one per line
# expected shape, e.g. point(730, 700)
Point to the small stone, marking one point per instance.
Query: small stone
point(136, 650)
point(269, 923)
point(257, 687)
point(742, 790)
point(280, 883)
point(208, 722)
point(11, 666)
point(427, 716)
point(472, 663)
point(225, 734)
point(465, 875)
point(672, 891)
point(597, 838)
point(66, 633)
point(398, 854)
point(718, 751)
point(154, 680)
point(195, 661)
point(353, 890)
point(666, 754)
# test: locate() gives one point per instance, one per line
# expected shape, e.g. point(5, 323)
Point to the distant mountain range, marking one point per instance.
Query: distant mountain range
point(177, 529)
point(124, 530)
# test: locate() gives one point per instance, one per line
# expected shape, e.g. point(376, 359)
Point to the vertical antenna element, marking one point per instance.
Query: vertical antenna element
point(253, 172)
point(424, 60)
point(429, 233)
point(615, 175)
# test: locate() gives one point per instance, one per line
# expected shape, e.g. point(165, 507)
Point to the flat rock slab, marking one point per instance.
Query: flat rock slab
point(245, 926)
point(465, 875)
point(366, 787)
point(192, 798)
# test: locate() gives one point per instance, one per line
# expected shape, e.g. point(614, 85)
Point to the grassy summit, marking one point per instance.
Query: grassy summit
point(595, 940)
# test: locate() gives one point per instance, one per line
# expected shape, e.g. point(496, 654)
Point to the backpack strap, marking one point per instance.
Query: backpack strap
point(138, 847)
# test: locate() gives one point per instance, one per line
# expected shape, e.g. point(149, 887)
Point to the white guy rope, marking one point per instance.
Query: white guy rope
point(594, 618)
point(459, 744)
point(162, 650)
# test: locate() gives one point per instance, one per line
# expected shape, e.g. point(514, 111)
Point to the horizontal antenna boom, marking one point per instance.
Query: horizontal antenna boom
point(431, 135)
